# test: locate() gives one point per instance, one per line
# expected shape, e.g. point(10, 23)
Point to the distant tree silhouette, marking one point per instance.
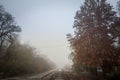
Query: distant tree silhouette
point(8, 29)
point(23, 59)
point(93, 42)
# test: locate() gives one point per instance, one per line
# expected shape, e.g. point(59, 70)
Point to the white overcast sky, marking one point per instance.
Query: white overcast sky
point(45, 24)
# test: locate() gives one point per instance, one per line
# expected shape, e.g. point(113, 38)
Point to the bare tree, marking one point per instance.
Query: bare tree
point(8, 28)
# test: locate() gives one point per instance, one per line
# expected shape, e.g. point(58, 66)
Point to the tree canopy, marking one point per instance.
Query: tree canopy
point(93, 43)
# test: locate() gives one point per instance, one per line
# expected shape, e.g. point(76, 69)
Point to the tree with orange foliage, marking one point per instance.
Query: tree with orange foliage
point(93, 42)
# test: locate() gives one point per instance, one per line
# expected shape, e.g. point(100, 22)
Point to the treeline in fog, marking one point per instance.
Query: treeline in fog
point(16, 58)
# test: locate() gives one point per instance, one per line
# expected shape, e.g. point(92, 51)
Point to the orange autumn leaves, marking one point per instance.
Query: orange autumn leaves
point(94, 40)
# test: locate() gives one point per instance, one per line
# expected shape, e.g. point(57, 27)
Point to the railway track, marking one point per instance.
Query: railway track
point(51, 75)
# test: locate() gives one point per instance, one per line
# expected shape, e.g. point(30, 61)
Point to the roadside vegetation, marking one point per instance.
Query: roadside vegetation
point(18, 59)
